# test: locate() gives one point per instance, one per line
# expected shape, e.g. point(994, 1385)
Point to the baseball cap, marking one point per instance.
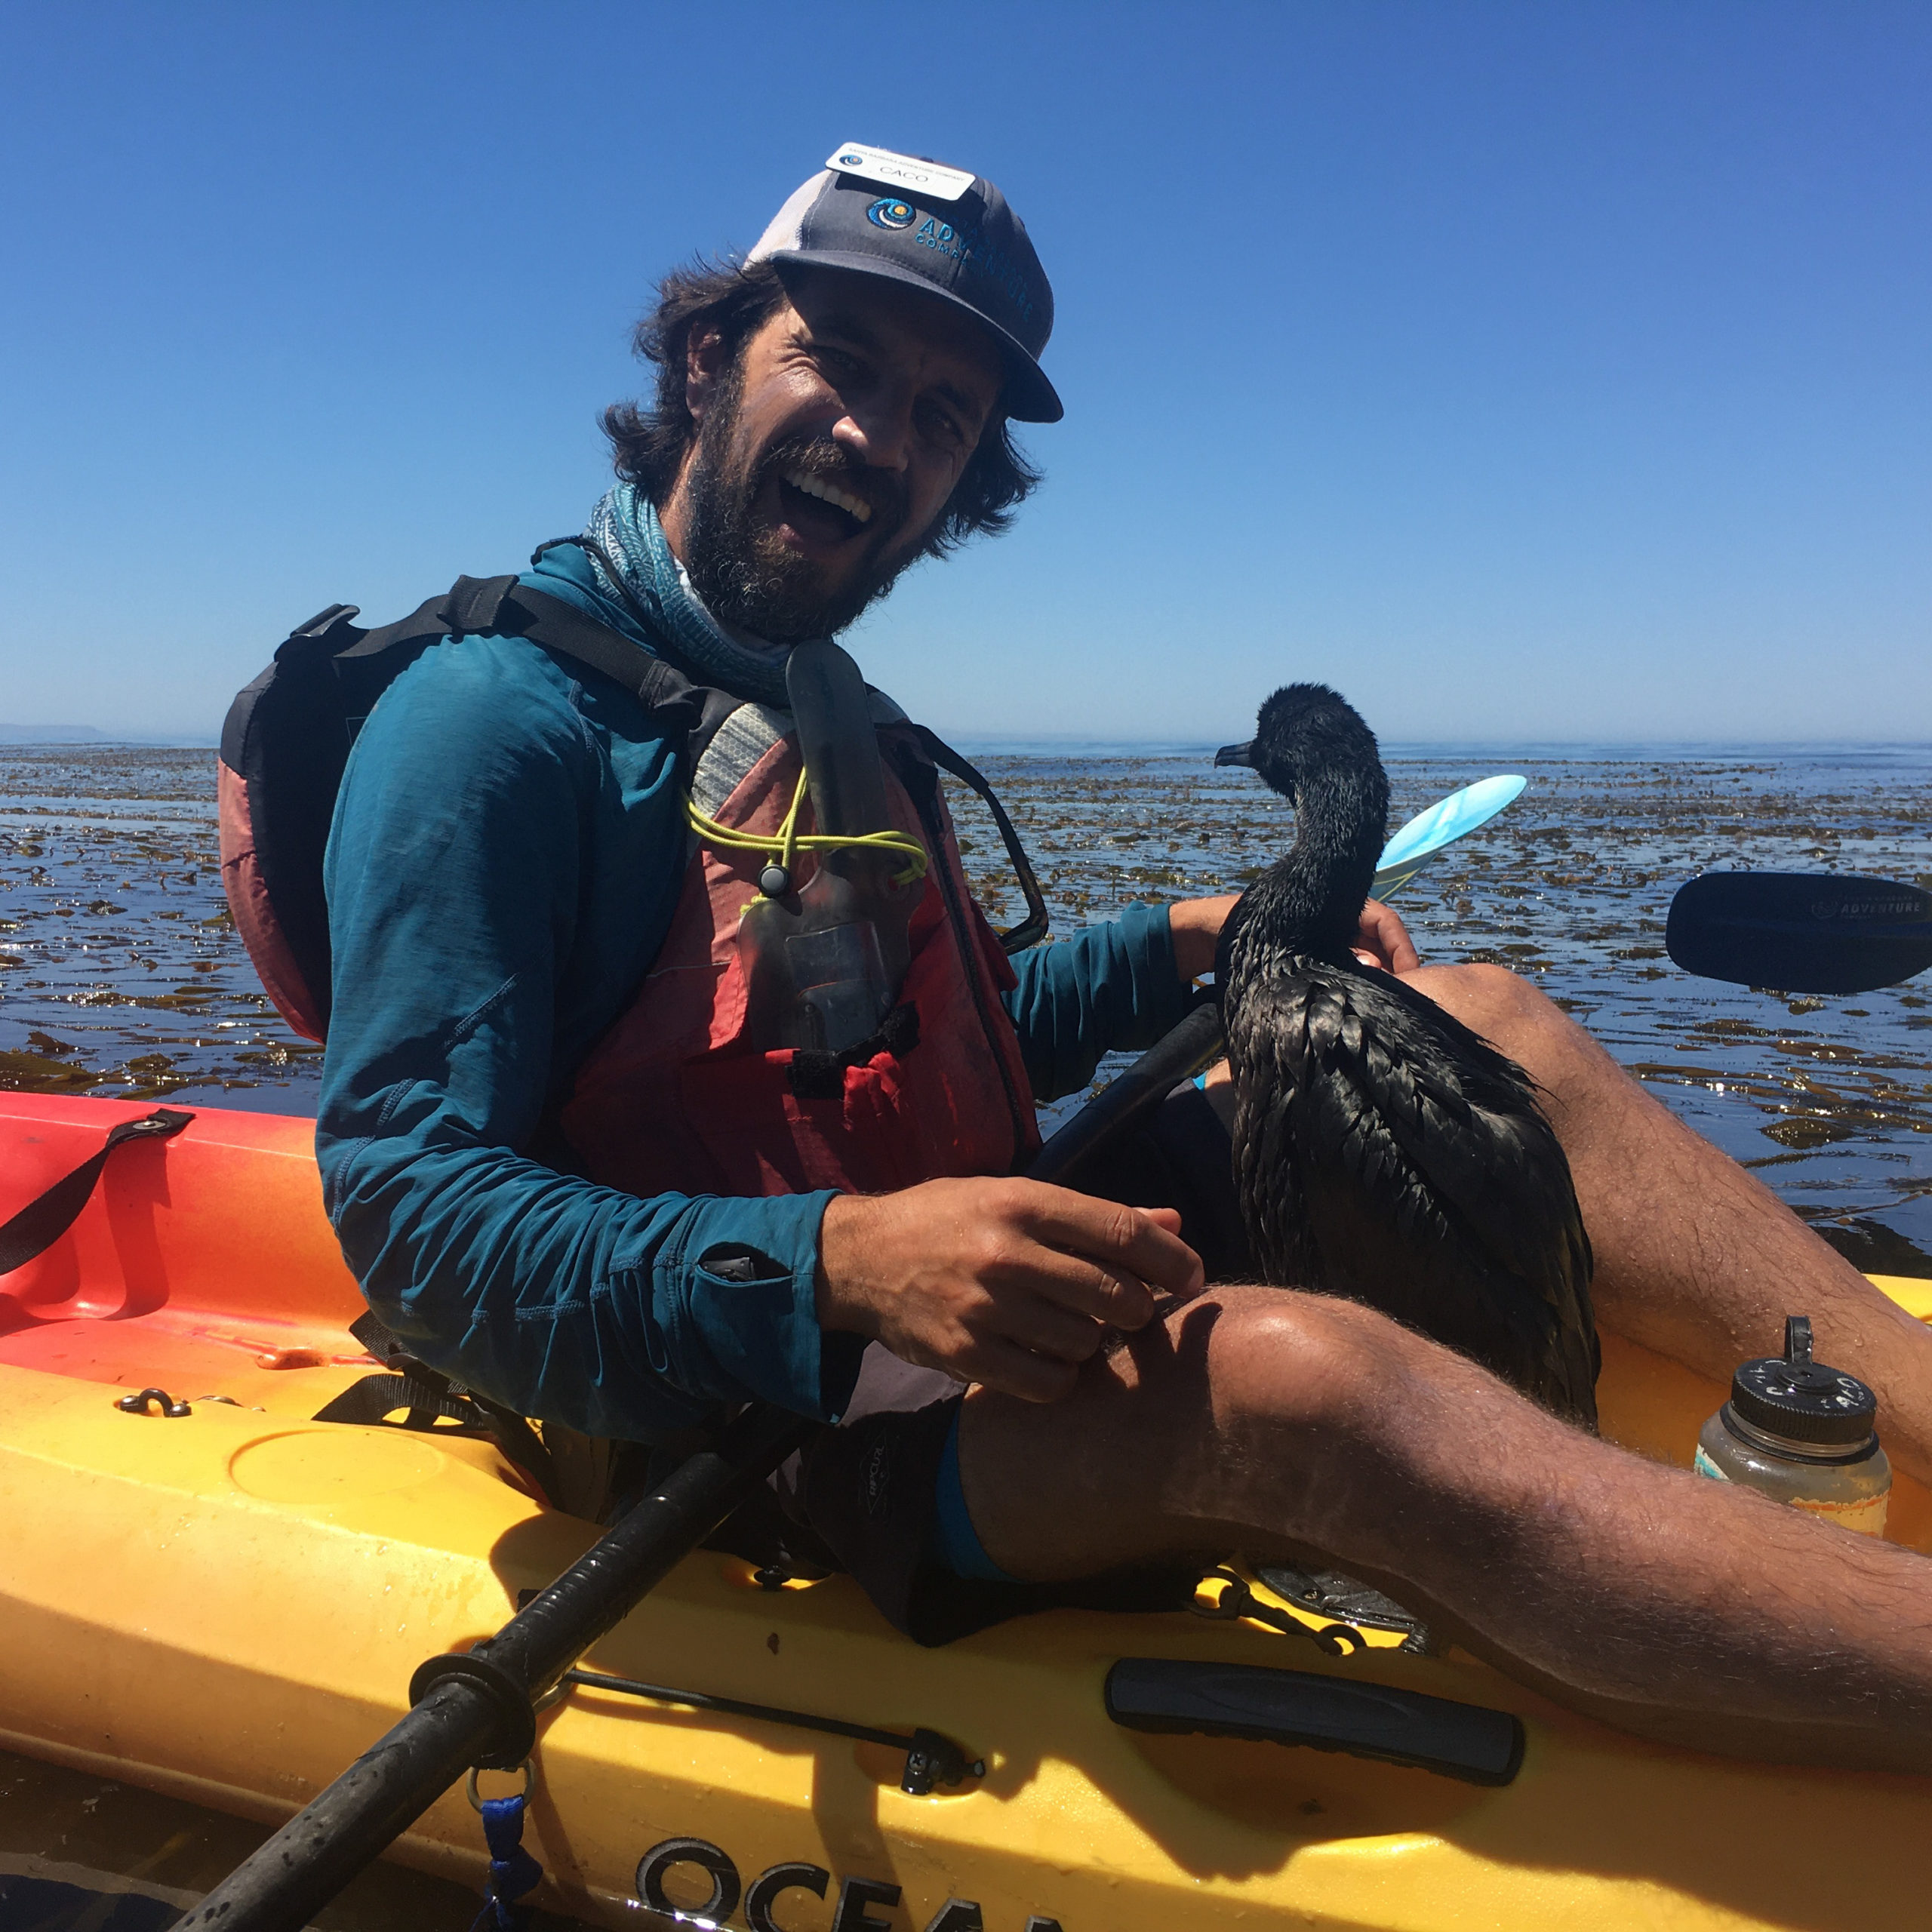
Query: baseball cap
point(913, 221)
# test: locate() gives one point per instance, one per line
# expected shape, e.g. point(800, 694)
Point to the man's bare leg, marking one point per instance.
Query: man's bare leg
point(1695, 1258)
point(1273, 1421)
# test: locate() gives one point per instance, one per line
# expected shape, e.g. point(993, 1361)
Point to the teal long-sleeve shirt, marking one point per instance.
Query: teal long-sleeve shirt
point(506, 856)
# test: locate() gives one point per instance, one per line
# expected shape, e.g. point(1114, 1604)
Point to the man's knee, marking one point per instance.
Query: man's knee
point(1490, 999)
point(1281, 1362)
point(1518, 1018)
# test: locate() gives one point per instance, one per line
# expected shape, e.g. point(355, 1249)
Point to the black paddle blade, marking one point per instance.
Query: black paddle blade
point(1800, 932)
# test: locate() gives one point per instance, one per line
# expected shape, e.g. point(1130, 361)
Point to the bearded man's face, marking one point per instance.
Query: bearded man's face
point(827, 451)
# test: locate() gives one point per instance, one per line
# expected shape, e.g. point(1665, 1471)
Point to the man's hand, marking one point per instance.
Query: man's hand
point(1384, 940)
point(1007, 1282)
point(1194, 926)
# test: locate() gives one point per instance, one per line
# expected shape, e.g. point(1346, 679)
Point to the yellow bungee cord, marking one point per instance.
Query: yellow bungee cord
point(790, 842)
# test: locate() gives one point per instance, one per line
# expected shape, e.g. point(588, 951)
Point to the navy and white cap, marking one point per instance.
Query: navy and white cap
point(877, 213)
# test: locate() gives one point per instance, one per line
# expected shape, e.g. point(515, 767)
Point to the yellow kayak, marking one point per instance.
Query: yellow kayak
point(227, 1605)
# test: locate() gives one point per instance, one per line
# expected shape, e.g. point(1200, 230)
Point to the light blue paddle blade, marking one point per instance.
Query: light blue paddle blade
point(1442, 824)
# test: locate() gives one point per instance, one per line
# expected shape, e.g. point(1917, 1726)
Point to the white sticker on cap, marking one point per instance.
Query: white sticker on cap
point(900, 171)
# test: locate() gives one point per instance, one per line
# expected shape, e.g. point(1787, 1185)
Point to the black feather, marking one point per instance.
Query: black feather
point(1382, 1151)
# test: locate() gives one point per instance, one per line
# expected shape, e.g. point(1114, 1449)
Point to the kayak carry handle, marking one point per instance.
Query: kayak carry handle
point(1379, 1720)
point(50, 1214)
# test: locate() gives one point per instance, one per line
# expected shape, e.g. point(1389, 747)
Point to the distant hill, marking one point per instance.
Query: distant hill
point(51, 734)
point(86, 734)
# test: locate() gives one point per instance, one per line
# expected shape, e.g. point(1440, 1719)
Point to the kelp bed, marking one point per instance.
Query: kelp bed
point(120, 974)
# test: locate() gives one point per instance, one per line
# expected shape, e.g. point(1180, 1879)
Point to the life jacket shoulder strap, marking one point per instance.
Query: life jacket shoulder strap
point(1033, 928)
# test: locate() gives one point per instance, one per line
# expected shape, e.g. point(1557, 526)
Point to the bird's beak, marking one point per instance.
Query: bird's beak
point(1237, 755)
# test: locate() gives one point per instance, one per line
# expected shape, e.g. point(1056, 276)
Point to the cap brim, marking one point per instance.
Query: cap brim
point(1029, 396)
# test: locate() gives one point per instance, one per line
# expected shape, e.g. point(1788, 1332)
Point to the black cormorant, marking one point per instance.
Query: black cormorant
point(1382, 1151)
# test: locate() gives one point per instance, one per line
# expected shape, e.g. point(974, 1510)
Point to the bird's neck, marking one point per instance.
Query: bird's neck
point(1315, 893)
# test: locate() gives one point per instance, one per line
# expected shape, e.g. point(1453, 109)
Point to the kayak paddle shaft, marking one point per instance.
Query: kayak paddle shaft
point(462, 1719)
point(1132, 1098)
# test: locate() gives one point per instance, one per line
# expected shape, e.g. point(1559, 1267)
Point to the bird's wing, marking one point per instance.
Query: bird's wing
point(1370, 1165)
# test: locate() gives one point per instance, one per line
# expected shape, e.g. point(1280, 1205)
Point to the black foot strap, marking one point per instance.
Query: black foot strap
point(46, 1218)
point(376, 1398)
point(429, 1395)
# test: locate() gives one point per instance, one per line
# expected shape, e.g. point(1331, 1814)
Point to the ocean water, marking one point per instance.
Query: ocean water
point(121, 973)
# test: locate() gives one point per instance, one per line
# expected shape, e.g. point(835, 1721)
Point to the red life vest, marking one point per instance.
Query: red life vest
point(674, 1099)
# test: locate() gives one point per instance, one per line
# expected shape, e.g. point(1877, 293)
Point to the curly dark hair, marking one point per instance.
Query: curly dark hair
point(646, 446)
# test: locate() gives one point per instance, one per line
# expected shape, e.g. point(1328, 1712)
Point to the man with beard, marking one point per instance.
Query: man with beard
point(568, 1173)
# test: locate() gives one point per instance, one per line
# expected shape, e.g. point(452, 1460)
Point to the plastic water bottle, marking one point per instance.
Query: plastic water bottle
point(1802, 1434)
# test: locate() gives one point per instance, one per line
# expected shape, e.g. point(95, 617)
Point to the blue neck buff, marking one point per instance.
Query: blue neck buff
point(624, 526)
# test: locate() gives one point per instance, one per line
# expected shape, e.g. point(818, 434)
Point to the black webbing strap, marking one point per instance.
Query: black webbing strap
point(427, 1394)
point(1033, 928)
point(501, 606)
point(48, 1215)
point(551, 621)
point(376, 1398)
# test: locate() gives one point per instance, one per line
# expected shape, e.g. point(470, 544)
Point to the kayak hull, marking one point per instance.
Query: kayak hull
point(228, 1606)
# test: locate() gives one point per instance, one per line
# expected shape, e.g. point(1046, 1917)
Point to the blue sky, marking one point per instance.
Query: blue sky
point(1528, 371)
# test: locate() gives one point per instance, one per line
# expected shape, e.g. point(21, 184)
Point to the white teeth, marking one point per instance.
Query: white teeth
point(831, 494)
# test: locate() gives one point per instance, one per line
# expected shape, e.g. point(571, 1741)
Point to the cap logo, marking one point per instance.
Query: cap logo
point(887, 212)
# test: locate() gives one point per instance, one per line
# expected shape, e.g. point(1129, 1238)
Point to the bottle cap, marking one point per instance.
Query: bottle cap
point(1797, 1398)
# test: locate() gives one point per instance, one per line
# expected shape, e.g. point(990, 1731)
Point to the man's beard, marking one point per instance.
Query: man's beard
point(749, 579)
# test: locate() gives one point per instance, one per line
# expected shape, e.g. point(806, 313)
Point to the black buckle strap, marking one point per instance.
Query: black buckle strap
point(549, 621)
point(429, 1394)
point(376, 1398)
point(49, 1215)
point(1237, 1600)
point(473, 603)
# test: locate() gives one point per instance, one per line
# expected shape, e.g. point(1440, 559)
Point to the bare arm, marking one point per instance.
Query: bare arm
point(1196, 925)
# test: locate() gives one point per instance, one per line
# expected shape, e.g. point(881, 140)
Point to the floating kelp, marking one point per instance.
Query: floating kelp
point(121, 973)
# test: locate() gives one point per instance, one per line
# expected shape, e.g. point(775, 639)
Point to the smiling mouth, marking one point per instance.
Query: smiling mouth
point(817, 508)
